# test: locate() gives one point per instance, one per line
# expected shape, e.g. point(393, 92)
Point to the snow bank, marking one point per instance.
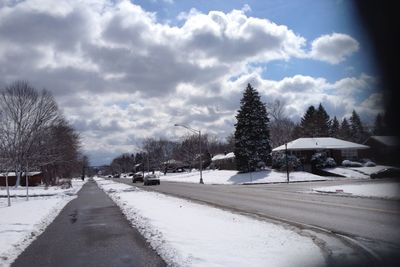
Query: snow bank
point(381, 190)
point(356, 172)
point(233, 177)
point(42, 191)
point(189, 234)
point(24, 220)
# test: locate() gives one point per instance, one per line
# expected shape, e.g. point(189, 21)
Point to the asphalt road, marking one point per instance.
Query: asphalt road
point(89, 231)
point(369, 220)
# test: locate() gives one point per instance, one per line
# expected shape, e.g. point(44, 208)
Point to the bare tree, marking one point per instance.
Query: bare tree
point(157, 152)
point(32, 130)
point(57, 152)
point(281, 127)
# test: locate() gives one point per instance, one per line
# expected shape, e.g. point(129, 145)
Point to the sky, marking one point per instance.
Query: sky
point(122, 71)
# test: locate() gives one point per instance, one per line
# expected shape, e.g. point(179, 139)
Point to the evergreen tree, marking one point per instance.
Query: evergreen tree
point(297, 132)
point(358, 133)
point(335, 128)
point(308, 122)
point(322, 121)
point(379, 126)
point(345, 131)
point(252, 144)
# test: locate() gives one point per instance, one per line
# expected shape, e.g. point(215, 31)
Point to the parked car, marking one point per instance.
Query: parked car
point(117, 175)
point(151, 179)
point(137, 177)
point(386, 173)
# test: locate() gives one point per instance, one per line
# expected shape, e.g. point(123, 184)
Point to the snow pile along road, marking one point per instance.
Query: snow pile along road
point(355, 172)
point(24, 220)
point(390, 190)
point(190, 234)
point(233, 177)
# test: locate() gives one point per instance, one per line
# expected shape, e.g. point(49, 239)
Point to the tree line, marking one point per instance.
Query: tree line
point(316, 122)
point(259, 128)
point(35, 136)
point(155, 154)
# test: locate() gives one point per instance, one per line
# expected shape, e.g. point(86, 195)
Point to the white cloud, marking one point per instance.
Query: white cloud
point(333, 48)
point(119, 75)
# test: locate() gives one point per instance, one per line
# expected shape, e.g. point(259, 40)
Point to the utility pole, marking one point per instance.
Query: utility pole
point(201, 162)
point(287, 164)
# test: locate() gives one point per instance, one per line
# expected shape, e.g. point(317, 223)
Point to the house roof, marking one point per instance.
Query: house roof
point(172, 161)
point(316, 143)
point(223, 156)
point(386, 140)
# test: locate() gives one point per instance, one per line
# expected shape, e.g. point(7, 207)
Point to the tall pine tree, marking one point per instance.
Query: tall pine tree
point(345, 131)
point(335, 128)
point(358, 133)
point(379, 125)
point(308, 122)
point(323, 122)
point(315, 122)
point(252, 144)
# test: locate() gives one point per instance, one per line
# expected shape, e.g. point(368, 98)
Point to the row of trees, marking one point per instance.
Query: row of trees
point(256, 132)
point(155, 152)
point(34, 136)
point(316, 122)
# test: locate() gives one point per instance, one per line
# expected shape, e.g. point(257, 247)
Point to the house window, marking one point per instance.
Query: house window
point(349, 154)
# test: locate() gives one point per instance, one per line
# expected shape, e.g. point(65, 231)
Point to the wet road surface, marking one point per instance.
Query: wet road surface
point(90, 231)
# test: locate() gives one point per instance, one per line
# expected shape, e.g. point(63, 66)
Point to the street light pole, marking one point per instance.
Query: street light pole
point(287, 164)
point(201, 161)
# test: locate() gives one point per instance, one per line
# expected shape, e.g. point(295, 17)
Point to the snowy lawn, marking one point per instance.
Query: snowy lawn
point(185, 233)
point(41, 190)
point(356, 172)
point(233, 177)
point(24, 220)
point(382, 190)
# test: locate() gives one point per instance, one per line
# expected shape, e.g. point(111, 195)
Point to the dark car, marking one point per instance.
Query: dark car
point(386, 173)
point(151, 179)
point(137, 177)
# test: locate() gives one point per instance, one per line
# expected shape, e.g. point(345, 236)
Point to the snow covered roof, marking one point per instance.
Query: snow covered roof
point(316, 143)
point(172, 161)
point(222, 156)
point(386, 140)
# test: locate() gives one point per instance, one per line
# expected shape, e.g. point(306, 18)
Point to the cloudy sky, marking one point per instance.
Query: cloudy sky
point(122, 71)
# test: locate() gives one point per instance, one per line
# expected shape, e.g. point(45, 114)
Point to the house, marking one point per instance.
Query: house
point(173, 165)
point(338, 149)
point(224, 161)
point(34, 178)
point(383, 149)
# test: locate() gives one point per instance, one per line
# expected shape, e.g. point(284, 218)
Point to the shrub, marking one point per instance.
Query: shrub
point(369, 164)
point(349, 163)
point(320, 161)
point(279, 162)
point(330, 163)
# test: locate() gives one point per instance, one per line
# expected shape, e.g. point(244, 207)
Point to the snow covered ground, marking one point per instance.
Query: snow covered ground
point(41, 190)
point(382, 190)
point(233, 177)
point(356, 172)
point(190, 234)
point(24, 220)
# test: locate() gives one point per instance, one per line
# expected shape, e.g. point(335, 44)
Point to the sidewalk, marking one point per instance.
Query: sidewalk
point(90, 231)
